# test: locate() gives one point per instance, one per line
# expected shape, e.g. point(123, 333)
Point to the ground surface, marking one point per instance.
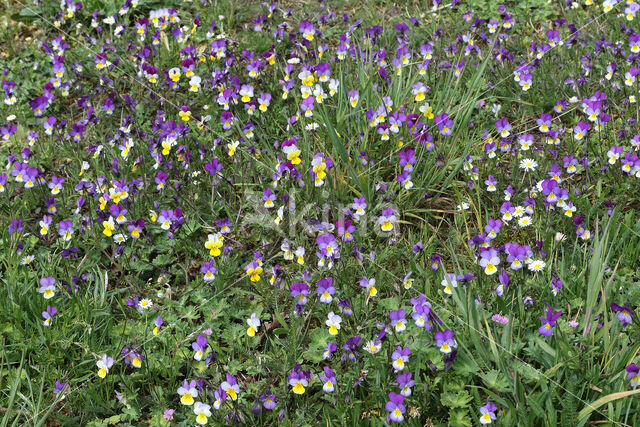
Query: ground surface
point(337, 213)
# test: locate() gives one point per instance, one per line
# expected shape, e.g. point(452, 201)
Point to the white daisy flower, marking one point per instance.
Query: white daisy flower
point(528, 164)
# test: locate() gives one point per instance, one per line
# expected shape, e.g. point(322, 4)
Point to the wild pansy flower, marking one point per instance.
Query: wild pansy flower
point(209, 271)
point(307, 30)
point(614, 154)
point(398, 319)
point(47, 287)
point(157, 324)
point(405, 383)
point(489, 261)
point(104, 364)
point(299, 380)
point(231, 387)
point(387, 219)
point(556, 284)
point(329, 349)
point(487, 413)
point(503, 278)
point(517, 255)
point(55, 185)
point(319, 167)
point(61, 387)
point(407, 159)
point(202, 411)
point(445, 125)
point(449, 281)
point(328, 250)
point(184, 113)
point(263, 101)
point(633, 374)
point(491, 182)
point(109, 227)
point(48, 315)
point(625, 313)
point(422, 315)
point(254, 324)
point(131, 357)
point(503, 127)
point(525, 141)
point(526, 81)
point(493, 228)
point(407, 280)
point(444, 341)
point(345, 229)
point(220, 396)
point(135, 228)
point(395, 407)
point(214, 244)
point(45, 223)
point(350, 348)
point(65, 230)
point(346, 306)
point(333, 322)
point(580, 130)
point(400, 357)
point(370, 285)
point(630, 164)
point(359, 206)
point(199, 346)
point(188, 392)
point(269, 401)
point(549, 322)
point(630, 76)
point(300, 291)
point(269, 198)
point(329, 380)
point(254, 270)
point(325, 290)
point(224, 225)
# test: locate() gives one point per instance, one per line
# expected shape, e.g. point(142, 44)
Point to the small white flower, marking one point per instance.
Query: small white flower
point(372, 347)
point(536, 265)
point(528, 164)
point(525, 221)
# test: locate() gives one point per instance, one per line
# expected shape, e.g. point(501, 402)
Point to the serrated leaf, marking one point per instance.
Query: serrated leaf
point(496, 381)
point(163, 260)
point(455, 400)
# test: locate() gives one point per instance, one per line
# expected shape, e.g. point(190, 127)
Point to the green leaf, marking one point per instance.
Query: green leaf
point(453, 400)
point(603, 400)
point(496, 381)
point(163, 260)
